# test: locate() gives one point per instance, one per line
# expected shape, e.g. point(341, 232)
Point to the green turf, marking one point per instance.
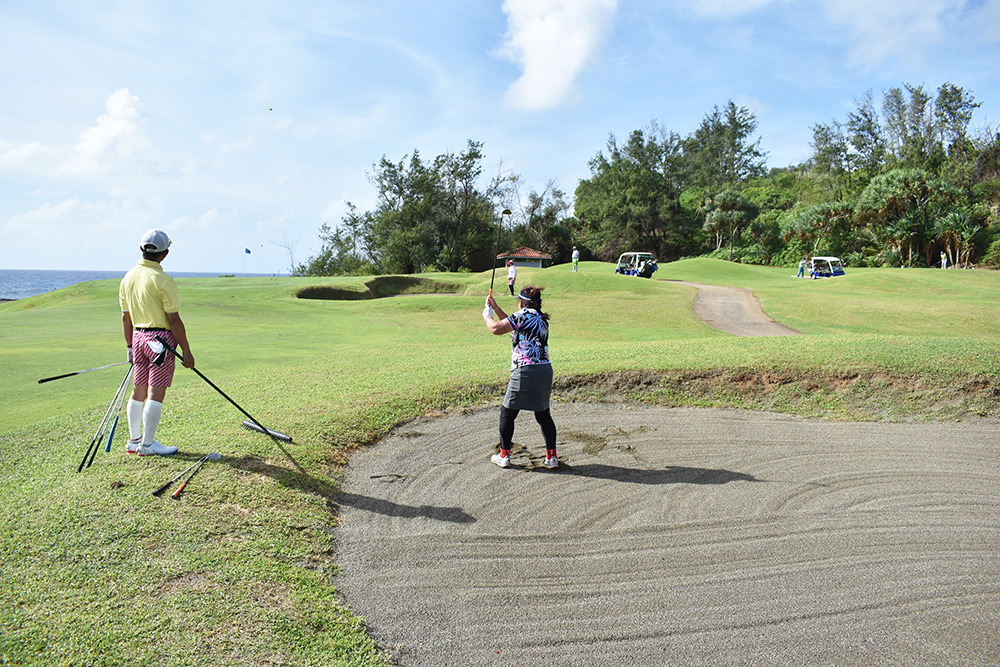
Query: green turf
point(96, 571)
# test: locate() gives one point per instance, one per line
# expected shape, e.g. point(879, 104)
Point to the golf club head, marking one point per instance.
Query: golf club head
point(214, 456)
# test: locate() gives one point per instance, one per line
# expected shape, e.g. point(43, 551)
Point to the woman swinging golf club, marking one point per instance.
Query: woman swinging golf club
point(150, 305)
point(530, 372)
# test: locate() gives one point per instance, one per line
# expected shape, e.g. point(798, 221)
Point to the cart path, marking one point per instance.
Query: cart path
point(734, 310)
point(675, 536)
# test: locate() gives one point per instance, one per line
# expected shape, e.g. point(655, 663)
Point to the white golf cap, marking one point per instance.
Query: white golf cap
point(155, 240)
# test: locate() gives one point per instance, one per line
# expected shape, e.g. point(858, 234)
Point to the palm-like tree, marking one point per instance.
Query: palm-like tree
point(968, 234)
point(946, 229)
point(726, 214)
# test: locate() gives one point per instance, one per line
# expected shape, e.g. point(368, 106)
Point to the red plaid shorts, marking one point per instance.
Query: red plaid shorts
point(144, 373)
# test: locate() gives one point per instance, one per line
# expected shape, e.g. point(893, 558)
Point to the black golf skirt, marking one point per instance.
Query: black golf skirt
point(529, 388)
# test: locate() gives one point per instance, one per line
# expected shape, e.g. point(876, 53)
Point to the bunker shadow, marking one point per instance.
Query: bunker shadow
point(336, 498)
point(389, 508)
point(668, 475)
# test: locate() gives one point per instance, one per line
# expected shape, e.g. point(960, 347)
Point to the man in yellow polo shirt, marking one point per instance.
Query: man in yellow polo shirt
point(150, 305)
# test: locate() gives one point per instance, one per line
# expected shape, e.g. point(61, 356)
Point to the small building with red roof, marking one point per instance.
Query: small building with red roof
point(525, 256)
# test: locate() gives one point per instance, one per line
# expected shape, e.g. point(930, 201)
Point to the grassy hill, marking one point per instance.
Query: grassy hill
point(95, 570)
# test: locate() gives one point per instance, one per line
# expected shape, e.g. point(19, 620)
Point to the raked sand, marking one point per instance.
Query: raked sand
point(676, 537)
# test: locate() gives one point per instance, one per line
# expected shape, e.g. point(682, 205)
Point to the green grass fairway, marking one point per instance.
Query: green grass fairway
point(94, 570)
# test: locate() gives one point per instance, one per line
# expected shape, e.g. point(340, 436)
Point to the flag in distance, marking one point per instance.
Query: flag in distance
point(248, 250)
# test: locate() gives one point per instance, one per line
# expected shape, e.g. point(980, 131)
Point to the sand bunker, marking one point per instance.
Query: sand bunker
point(676, 536)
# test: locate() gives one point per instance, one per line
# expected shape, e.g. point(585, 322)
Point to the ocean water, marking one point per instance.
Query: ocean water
point(17, 284)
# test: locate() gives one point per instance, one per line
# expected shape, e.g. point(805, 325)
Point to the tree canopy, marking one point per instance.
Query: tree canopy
point(896, 182)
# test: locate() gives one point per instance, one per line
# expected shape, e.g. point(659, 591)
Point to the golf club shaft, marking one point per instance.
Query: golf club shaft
point(177, 494)
point(236, 405)
point(118, 413)
point(88, 455)
point(116, 402)
point(66, 375)
point(496, 251)
point(166, 486)
point(214, 386)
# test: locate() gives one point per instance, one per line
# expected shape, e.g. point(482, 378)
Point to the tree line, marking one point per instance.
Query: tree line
point(900, 183)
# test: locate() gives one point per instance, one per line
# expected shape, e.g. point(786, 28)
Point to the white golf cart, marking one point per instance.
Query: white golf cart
point(641, 264)
point(825, 267)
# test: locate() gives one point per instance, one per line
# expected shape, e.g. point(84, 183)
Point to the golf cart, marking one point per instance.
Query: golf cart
point(640, 264)
point(825, 267)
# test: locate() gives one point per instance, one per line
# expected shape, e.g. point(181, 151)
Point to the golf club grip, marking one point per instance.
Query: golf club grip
point(159, 491)
point(86, 455)
point(111, 436)
point(176, 494)
point(66, 375)
point(57, 377)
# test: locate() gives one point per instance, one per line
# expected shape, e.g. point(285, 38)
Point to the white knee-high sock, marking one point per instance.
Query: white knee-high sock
point(134, 414)
point(150, 420)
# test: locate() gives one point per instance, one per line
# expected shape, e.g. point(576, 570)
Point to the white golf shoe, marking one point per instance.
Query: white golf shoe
point(156, 449)
point(552, 463)
point(502, 461)
point(133, 445)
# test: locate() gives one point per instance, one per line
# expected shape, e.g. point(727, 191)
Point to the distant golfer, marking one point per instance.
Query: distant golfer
point(802, 268)
point(511, 275)
point(530, 370)
point(150, 306)
point(576, 258)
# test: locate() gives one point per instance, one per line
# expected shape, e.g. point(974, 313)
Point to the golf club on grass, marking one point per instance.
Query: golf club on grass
point(274, 435)
point(496, 252)
point(211, 457)
point(66, 375)
point(197, 466)
point(88, 456)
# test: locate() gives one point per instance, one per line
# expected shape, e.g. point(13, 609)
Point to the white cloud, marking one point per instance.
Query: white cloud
point(22, 156)
point(115, 140)
point(212, 221)
point(56, 219)
point(225, 144)
point(726, 8)
point(552, 41)
point(891, 28)
point(76, 224)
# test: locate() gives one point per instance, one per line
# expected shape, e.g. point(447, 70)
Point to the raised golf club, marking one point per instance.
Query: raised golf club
point(274, 435)
point(214, 456)
point(66, 375)
point(197, 466)
point(496, 251)
point(88, 456)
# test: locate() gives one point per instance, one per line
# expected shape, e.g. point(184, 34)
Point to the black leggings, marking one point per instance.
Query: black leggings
point(544, 419)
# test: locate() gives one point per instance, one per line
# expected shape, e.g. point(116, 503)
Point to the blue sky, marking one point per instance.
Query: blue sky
point(249, 124)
